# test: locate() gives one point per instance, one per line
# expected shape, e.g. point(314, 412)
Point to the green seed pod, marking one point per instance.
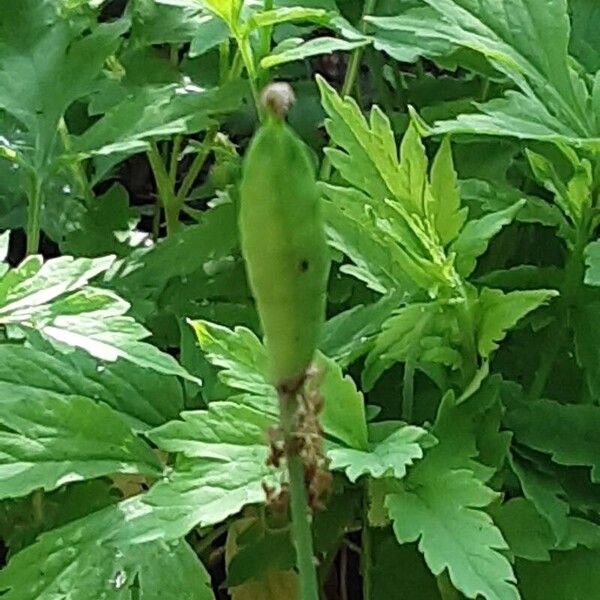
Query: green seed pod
point(283, 243)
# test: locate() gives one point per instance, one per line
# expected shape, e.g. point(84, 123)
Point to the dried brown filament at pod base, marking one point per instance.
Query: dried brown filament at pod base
point(306, 442)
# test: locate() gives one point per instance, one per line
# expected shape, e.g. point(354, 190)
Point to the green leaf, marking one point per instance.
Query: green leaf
point(343, 415)
point(154, 113)
point(407, 37)
point(553, 100)
point(592, 261)
point(148, 399)
point(224, 467)
point(100, 547)
point(350, 334)
point(416, 583)
point(420, 332)
point(313, 47)
point(493, 197)
point(209, 33)
point(215, 433)
point(228, 10)
point(242, 358)
point(54, 300)
point(546, 494)
point(239, 354)
point(260, 552)
point(34, 283)
point(585, 17)
point(94, 234)
point(388, 455)
point(442, 513)
point(368, 156)
point(587, 329)
point(528, 534)
point(108, 335)
point(48, 442)
point(516, 116)
point(377, 260)
point(446, 209)
point(46, 63)
point(550, 427)
point(473, 240)
point(499, 312)
point(438, 502)
point(390, 196)
point(192, 255)
point(566, 576)
point(523, 277)
point(155, 23)
point(20, 522)
point(285, 14)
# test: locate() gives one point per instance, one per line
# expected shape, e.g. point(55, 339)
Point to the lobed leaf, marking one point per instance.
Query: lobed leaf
point(386, 457)
point(50, 441)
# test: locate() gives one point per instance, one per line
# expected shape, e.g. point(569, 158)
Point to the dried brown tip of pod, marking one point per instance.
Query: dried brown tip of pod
point(277, 98)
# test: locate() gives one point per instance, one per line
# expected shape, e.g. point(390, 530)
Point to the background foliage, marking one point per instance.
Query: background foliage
point(458, 145)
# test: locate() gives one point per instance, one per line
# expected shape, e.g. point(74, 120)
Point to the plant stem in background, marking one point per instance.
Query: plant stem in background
point(35, 199)
point(224, 51)
point(573, 281)
point(207, 541)
point(37, 506)
point(248, 59)
point(166, 192)
point(344, 573)
point(196, 166)
point(266, 34)
point(350, 78)
point(467, 330)
point(301, 517)
point(366, 542)
point(445, 587)
point(408, 390)
point(174, 161)
point(76, 167)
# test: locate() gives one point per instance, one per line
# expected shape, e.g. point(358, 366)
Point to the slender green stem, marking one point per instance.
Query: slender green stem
point(445, 587)
point(325, 565)
point(555, 344)
point(37, 506)
point(344, 573)
point(174, 54)
point(266, 33)
point(573, 281)
point(174, 161)
point(165, 190)
point(224, 51)
point(237, 66)
point(196, 166)
point(302, 531)
point(485, 89)
point(366, 550)
point(156, 216)
point(248, 59)
point(209, 538)
point(350, 77)
point(467, 329)
point(76, 167)
point(35, 199)
point(408, 390)
point(301, 517)
point(352, 70)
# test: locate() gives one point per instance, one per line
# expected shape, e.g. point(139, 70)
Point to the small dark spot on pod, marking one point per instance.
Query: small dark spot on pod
point(303, 266)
